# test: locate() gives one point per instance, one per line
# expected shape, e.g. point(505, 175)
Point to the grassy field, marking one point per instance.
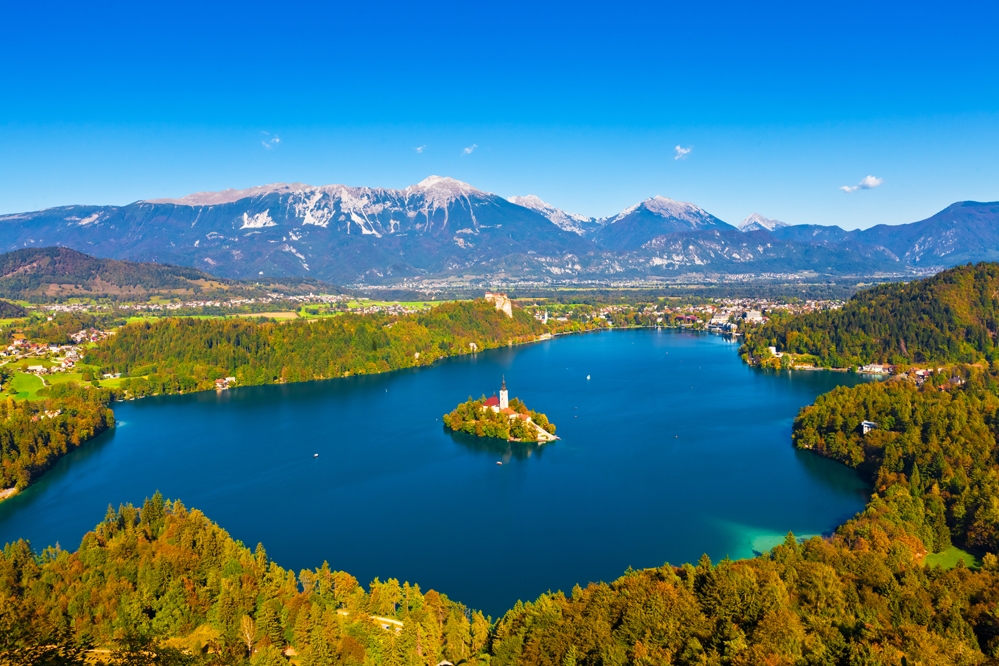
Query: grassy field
point(25, 363)
point(948, 559)
point(26, 385)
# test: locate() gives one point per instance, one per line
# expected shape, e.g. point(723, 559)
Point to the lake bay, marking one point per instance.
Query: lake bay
point(671, 449)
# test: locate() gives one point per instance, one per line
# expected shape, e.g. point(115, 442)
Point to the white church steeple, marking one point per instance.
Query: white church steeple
point(504, 397)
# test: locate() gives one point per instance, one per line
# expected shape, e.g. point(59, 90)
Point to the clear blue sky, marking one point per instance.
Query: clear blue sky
point(780, 104)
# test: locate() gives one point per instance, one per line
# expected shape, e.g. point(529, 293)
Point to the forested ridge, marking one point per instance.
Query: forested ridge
point(44, 274)
point(939, 441)
point(34, 435)
point(183, 355)
point(952, 317)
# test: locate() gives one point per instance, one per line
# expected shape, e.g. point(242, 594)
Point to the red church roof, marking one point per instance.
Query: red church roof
point(492, 402)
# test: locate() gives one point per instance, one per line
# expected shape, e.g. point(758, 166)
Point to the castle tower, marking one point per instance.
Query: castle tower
point(504, 396)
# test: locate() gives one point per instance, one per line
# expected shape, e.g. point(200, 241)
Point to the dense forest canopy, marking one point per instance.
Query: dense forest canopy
point(190, 354)
point(10, 310)
point(952, 317)
point(34, 435)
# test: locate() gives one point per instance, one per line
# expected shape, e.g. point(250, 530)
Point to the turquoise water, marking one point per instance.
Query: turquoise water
point(671, 449)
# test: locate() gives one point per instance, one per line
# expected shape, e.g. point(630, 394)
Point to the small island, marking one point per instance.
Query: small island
point(500, 418)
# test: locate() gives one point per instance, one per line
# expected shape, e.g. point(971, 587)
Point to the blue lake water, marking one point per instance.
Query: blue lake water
point(671, 449)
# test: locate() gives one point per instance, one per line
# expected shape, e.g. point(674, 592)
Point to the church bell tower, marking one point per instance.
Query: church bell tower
point(504, 396)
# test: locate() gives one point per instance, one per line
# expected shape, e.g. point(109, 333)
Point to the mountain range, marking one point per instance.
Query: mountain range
point(444, 228)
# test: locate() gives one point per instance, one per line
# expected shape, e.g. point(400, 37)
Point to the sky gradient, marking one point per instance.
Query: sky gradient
point(779, 106)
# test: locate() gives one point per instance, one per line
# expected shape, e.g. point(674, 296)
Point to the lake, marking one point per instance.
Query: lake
point(672, 448)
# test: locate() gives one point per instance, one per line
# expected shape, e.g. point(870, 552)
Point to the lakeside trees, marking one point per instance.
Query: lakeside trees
point(190, 354)
point(34, 435)
point(937, 441)
point(164, 572)
point(952, 317)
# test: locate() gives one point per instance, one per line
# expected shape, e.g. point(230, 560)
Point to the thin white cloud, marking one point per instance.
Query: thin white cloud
point(681, 153)
point(271, 142)
point(419, 149)
point(868, 183)
point(468, 151)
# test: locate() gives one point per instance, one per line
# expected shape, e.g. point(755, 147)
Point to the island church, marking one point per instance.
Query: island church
point(501, 405)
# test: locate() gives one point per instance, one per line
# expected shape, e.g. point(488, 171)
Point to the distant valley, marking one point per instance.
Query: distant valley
point(443, 228)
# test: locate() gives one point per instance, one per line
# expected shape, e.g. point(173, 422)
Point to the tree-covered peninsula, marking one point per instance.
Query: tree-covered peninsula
point(952, 317)
point(34, 435)
point(515, 423)
point(184, 355)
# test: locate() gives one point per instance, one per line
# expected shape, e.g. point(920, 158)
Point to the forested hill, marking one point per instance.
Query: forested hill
point(951, 317)
point(182, 355)
point(10, 310)
point(54, 272)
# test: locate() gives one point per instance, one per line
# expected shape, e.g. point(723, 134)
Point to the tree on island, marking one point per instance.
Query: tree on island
point(475, 417)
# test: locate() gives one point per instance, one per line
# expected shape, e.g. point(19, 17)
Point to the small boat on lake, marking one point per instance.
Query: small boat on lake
point(498, 462)
point(315, 455)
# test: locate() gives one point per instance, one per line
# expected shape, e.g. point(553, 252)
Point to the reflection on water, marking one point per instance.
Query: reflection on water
point(493, 446)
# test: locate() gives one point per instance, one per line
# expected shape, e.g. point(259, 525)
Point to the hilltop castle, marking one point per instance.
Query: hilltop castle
point(501, 302)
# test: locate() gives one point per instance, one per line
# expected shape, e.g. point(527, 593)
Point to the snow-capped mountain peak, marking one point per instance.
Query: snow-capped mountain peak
point(665, 207)
point(578, 224)
point(440, 191)
point(442, 184)
point(756, 222)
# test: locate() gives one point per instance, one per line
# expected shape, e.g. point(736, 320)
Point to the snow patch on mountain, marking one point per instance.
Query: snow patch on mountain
point(258, 221)
point(757, 222)
point(578, 224)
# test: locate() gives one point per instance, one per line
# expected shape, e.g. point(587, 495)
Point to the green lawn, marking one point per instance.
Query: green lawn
point(64, 378)
point(948, 559)
point(26, 385)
